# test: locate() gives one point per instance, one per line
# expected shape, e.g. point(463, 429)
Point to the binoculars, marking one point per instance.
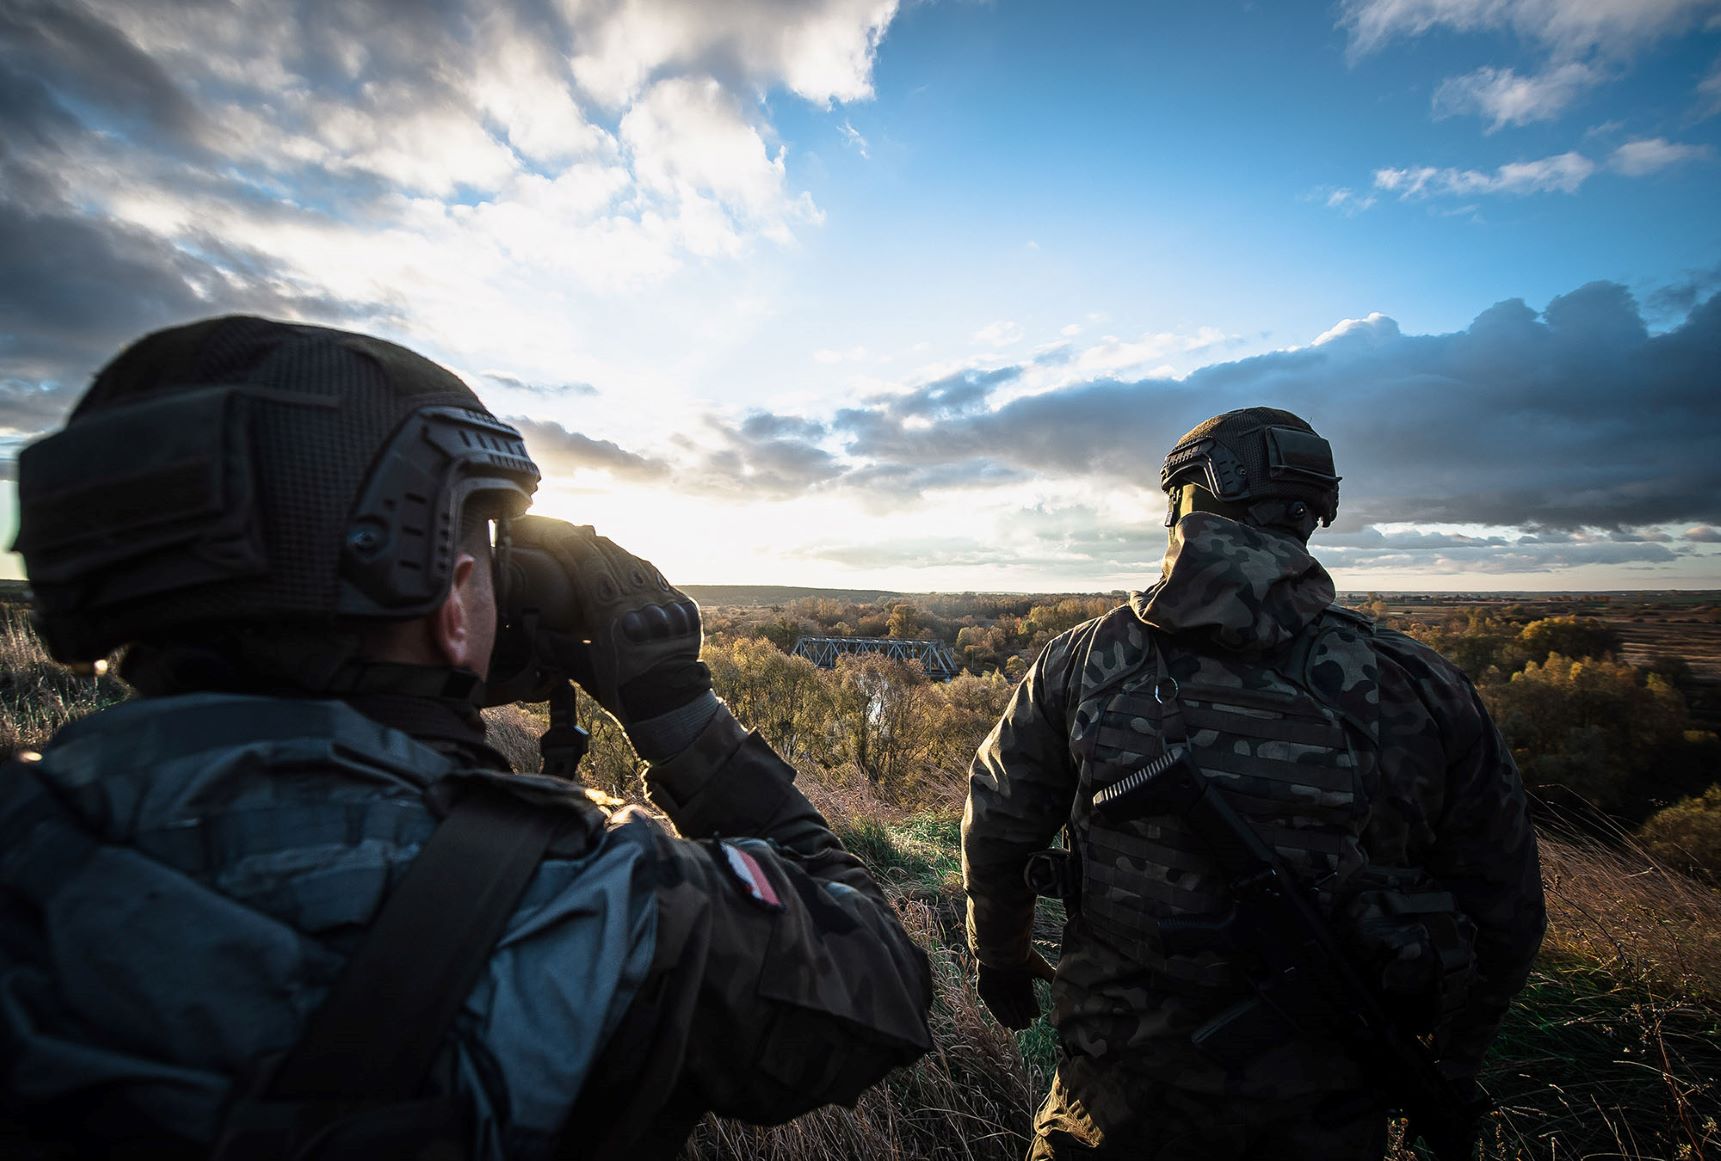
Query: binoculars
point(535, 598)
point(543, 630)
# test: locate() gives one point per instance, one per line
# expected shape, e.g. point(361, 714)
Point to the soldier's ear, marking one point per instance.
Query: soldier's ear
point(453, 624)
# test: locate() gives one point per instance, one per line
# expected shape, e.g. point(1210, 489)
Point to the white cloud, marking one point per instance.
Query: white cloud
point(1506, 98)
point(1566, 28)
point(855, 141)
point(1375, 329)
point(1348, 201)
point(822, 51)
point(414, 145)
point(692, 145)
point(447, 172)
point(1561, 173)
point(999, 334)
point(1709, 92)
point(1653, 154)
point(522, 88)
point(1584, 42)
point(1147, 356)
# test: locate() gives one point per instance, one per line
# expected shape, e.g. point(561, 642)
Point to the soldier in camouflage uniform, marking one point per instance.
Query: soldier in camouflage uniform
point(290, 526)
point(1362, 757)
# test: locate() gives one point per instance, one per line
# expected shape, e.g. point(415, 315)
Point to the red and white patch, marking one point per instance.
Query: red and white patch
point(751, 876)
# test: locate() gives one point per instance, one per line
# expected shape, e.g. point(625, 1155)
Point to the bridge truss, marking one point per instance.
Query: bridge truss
point(935, 657)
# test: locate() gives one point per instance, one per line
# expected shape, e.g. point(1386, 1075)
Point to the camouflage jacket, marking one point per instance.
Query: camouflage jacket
point(1438, 792)
point(182, 878)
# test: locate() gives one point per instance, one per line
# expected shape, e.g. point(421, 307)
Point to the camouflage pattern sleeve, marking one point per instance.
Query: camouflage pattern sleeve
point(1484, 848)
point(1021, 785)
point(781, 978)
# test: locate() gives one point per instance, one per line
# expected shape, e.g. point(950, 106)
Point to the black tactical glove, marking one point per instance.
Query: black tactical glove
point(1008, 993)
point(623, 632)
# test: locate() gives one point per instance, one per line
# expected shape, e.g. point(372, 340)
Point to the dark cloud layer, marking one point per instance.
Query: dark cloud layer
point(1573, 417)
point(957, 394)
point(75, 286)
point(765, 426)
point(80, 53)
point(559, 451)
point(773, 456)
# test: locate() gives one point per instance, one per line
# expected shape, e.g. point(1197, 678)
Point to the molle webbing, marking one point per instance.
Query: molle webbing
point(1288, 757)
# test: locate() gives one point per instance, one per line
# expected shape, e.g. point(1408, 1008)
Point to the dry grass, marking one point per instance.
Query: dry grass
point(514, 731)
point(1613, 1051)
point(1612, 903)
point(37, 695)
point(967, 1099)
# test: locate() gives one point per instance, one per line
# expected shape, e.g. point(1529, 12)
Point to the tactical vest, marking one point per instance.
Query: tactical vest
point(1292, 738)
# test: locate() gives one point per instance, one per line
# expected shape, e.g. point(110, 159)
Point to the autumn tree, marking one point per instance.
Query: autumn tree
point(1568, 636)
point(781, 696)
point(880, 719)
point(1687, 835)
point(1486, 647)
point(906, 622)
point(1590, 727)
point(967, 707)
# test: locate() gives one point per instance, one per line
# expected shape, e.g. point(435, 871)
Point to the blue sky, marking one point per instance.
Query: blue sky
point(853, 292)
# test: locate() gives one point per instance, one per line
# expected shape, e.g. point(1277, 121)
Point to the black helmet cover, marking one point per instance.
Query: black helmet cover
point(1249, 457)
point(239, 470)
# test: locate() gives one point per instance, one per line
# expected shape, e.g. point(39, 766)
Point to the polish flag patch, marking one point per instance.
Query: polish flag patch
point(747, 872)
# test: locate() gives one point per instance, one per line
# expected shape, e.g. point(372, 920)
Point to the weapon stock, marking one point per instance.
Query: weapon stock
point(1309, 983)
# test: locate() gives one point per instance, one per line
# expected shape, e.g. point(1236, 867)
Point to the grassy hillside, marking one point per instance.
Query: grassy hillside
point(1614, 1050)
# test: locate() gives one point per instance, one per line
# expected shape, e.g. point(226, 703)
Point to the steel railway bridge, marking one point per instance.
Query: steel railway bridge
point(935, 657)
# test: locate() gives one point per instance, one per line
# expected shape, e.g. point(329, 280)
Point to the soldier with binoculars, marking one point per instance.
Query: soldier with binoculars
point(288, 903)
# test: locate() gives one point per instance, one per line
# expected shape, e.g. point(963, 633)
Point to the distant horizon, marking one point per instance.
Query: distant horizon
point(16, 586)
point(821, 589)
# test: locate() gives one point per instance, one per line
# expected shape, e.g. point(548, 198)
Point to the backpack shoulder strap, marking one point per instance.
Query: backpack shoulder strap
point(383, 1021)
point(1334, 659)
point(372, 1042)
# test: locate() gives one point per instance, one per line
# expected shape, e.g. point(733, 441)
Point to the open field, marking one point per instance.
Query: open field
point(1683, 625)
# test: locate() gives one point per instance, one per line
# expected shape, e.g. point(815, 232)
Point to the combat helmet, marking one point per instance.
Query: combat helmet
point(1260, 465)
point(240, 471)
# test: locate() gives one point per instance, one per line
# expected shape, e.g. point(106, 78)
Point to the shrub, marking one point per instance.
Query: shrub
point(1589, 728)
point(1568, 636)
point(1687, 835)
